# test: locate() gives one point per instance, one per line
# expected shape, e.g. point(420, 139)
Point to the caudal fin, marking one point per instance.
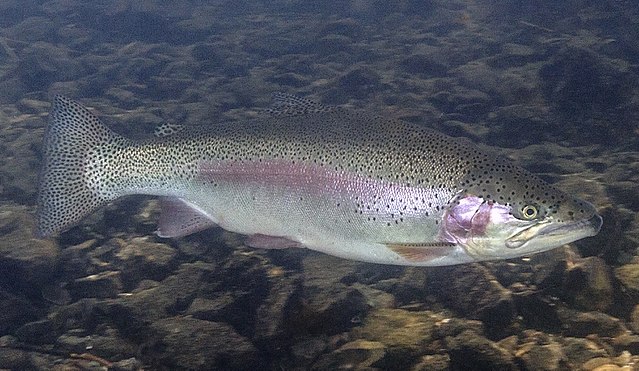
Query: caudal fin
point(65, 193)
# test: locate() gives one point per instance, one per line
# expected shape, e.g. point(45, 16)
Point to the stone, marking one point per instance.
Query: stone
point(129, 364)
point(359, 82)
point(142, 258)
point(628, 275)
point(582, 324)
point(537, 310)
point(634, 319)
point(399, 328)
point(306, 351)
point(477, 293)
point(433, 362)
point(595, 363)
point(534, 356)
point(15, 311)
point(515, 55)
point(30, 261)
point(580, 350)
point(577, 80)
point(156, 301)
point(404, 334)
point(108, 344)
point(423, 65)
point(328, 306)
point(14, 359)
point(273, 315)
point(37, 332)
point(471, 349)
point(42, 63)
point(626, 342)
point(358, 354)
point(190, 343)
point(588, 285)
point(101, 285)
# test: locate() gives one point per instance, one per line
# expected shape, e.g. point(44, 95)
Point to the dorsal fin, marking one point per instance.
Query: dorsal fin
point(291, 105)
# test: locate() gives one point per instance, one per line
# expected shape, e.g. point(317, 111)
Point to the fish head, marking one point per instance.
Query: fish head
point(509, 212)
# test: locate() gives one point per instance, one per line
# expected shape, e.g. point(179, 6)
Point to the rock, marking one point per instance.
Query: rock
point(273, 316)
point(143, 259)
point(75, 261)
point(411, 285)
point(608, 367)
point(101, 285)
point(346, 27)
point(399, 328)
point(358, 354)
point(129, 364)
point(626, 342)
point(153, 302)
point(307, 351)
point(328, 306)
point(109, 344)
point(534, 356)
point(330, 45)
point(518, 126)
point(588, 285)
point(25, 261)
point(359, 82)
point(514, 55)
point(628, 275)
point(331, 311)
point(537, 310)
point(423, 65)
point(470, 348)
point(582, 324)
point(190, 343)
point(433, 362)
point(289, 79)
point(43, 63)
point(80, 314)
point(33, 106)
point(580, 350)
point(596, 363)
point(32, 29)
point(15, 311)
point(38, 332)
point(634, 319)
point(15, 359)
point(577, 81)
point(475, 292)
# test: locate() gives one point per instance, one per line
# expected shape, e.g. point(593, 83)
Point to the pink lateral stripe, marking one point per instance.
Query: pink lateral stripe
point(287, 174)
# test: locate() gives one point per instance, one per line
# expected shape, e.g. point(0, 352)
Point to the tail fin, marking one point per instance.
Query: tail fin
point(65, 196)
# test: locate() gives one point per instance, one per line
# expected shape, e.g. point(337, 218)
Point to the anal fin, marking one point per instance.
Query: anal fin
point(414, 252)
point(262, 241)
point(179, 219)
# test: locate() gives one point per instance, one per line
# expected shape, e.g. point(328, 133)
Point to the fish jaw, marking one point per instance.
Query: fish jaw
point(489, 231)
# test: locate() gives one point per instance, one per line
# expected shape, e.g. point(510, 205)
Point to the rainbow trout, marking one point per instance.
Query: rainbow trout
point(346, 183)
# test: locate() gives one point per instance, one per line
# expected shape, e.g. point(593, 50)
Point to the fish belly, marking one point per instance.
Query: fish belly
point(348, 218)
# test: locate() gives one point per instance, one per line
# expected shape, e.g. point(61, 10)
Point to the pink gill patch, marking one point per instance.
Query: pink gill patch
point(468, 219)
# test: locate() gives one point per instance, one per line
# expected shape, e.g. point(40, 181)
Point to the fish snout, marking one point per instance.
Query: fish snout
point(595, 222)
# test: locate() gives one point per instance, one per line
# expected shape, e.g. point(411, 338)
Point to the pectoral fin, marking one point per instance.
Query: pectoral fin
point(422, 252)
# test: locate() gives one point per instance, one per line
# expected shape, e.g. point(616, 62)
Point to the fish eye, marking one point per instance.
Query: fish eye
point(529, 212)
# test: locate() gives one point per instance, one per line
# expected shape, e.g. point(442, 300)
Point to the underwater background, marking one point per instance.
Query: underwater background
point(553, 84)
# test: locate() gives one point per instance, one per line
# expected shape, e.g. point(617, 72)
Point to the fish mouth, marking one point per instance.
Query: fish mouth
point(560, 232)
